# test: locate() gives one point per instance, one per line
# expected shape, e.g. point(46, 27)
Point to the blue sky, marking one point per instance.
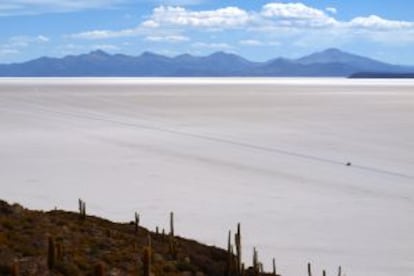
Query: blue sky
point(256, 29)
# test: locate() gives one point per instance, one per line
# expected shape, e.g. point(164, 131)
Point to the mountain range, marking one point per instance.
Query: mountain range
point(328, 63)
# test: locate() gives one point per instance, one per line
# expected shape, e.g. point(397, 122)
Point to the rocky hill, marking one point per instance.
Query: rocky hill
point(66, 243)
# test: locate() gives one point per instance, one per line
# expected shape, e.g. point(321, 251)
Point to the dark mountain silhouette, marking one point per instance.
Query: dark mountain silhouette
point(337, 56)
point(331, 62)
point(370, 75)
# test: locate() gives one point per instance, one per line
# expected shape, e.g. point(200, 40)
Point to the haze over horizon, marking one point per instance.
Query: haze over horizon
point(256, 30)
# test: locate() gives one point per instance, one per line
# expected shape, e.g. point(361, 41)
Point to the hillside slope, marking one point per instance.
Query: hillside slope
point(66, 243)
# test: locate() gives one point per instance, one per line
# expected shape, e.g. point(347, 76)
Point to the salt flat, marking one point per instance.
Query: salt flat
point(269, 153)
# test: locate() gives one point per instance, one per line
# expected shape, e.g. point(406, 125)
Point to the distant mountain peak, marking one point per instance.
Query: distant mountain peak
point(222, 54)
point(184, 56)
point(149, 54)
point(328, 55)
point(333, 55)
point(99, 52)
point(329, 62)
point(333, 51)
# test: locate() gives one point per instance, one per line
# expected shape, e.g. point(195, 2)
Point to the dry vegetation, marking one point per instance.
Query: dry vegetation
point(67, 243)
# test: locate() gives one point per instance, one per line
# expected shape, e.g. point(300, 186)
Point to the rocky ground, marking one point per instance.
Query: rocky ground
point(66, 243)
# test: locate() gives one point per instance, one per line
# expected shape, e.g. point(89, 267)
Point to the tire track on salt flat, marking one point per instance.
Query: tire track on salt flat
point(303, 156)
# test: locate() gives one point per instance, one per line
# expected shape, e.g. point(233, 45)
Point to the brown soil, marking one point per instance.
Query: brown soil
point(94, 246)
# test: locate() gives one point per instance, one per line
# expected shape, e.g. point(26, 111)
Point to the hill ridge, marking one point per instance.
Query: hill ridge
point(331, 62)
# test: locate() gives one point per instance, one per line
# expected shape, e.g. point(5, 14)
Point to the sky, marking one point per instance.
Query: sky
point(256, 29)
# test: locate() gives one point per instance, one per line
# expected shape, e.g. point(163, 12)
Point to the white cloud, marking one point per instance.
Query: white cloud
point(150, 24)
point(273, 22)
point(204, 45)
point(96, 34)
point(42, 38)
point(296, 15)
point(19, 7)
point(291, 10)
point(251, 42)
point(331, 10)
point(105, 47)
point(8, 52)
point(25, 40)
point(107, 34)
point(229, 17)
point(375, 22)
point(15, 44)
point(169, 17)
point(168, 38)
point(179, 2)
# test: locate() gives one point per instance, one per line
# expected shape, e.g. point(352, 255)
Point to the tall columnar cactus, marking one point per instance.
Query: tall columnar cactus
point(309, 269)
point(99, 269)
point(136, 222)
point(324, 273)
point(229, 241)
point(51, 253)
point(340, 271)
point(274, 267)
point(172, 246)
point(171, 238)
point(59, 251)
point(82, 209)
point(230, 256)
point(146, 259)
point(149, 240)
point(237, 238)
point(14, 269)
point(256, 265)
point(172, 224)
point(260, 268)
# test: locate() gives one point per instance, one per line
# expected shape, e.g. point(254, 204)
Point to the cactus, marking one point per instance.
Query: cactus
point(237, 238)
point(324, 273)
point(59, 251)
point(229, 255)
point(51, 253)
point(99, 269)
point(172, 224)
point(340, 271)
point(255, 262)
point(146, 259)
point(157, 230)
point(229, 242)
point(136, 222)
point(172, 246)
point(149, 242)
point(309, 269)
point(82, 209)
point(231, 258)
point(274, 266)
point(14, 269)
point(172, 242)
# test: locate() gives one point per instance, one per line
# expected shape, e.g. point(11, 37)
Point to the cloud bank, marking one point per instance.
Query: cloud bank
point(21, 7)
point(287, 18)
